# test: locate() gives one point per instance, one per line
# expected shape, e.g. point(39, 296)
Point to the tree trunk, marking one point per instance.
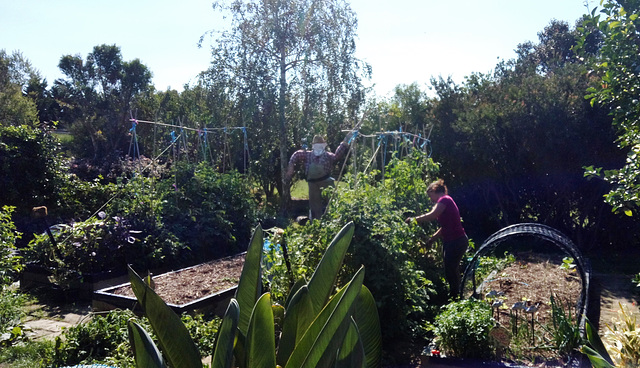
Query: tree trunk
point(285, 194)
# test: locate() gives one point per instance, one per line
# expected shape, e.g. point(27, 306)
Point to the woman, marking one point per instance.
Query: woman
point(454, 238)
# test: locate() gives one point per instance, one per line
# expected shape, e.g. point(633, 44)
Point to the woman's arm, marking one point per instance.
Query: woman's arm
point(429, 216)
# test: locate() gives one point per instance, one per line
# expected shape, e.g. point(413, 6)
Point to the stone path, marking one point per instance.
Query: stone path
point(46, 322)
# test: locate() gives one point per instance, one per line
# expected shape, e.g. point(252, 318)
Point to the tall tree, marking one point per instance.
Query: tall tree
point(617, 86)
point(15, 107)
point(97, 97)
point(289, 56)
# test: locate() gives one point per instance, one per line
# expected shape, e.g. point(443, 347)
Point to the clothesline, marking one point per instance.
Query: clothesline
point(185, 128)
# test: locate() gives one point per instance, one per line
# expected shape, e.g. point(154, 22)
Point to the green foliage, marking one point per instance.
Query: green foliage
point(29, 167)
point(212, 212)
point(29, 354)
point(11, 313)
point(10, 262)
point(98, 94)
point(15, 108)
point(382, 242)
point(104, 339)
point(317, 330)
point(566, 337)
point(595, 349)
point(616, 87)
point(101, 337)
point(462, 329)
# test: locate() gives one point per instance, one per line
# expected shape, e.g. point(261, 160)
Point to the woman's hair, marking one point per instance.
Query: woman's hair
point(438, 187)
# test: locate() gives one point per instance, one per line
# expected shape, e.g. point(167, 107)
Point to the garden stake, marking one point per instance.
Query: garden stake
point(516, 307)
point(532, 309)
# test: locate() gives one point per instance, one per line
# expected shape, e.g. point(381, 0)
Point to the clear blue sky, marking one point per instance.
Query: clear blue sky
point(405, 41)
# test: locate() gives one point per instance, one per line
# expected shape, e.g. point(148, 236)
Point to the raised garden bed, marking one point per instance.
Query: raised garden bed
point(205, 288)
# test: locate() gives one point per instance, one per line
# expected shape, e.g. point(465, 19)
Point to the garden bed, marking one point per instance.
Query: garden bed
point(531, 279)
point(206, 287)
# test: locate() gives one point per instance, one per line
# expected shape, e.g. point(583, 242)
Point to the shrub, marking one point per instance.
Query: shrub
point(10, 262)
point(462, 329)
point(105, 339)
point(212, 212)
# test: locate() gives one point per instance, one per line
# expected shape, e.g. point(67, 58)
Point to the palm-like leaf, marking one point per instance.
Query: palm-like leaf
point(173, 337)
point(322, 282)
point(250, 284)
point(322, 335)
point(145, 352)
point(260, 342)
point(223, 353)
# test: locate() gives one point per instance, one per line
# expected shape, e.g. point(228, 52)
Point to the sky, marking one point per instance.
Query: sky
point(404, 41)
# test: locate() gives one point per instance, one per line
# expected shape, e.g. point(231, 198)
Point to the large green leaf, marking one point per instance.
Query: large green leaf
point(250, 284)
point(294, 289)
point(323, 334)
point(260, 343)
point(223, 352)
point(597, 361)
point(322, 282)
point(366, 317)
point(351, 353)
point(145, 352)
point(298, 317)
point(596, 342)
point(174, 339)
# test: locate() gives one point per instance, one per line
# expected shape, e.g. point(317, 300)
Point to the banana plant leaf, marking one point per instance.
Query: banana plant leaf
point(298, 317)
point(596, 342)
point(597, 361)
point(366, 317)
point(223, 352)
point(174, 339)
point(294, 289)
point(322, 335)
point(145, 352)
point(351, 353)
point(250, 284)
point(260, 343)
point(322, 282)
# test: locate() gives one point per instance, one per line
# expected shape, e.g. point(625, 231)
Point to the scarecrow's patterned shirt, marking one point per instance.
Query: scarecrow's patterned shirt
point(326, 160)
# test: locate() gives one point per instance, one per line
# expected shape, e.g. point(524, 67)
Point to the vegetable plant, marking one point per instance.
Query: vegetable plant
point(462, 329)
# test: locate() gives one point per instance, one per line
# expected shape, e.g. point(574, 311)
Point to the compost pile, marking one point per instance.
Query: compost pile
point(189, 284)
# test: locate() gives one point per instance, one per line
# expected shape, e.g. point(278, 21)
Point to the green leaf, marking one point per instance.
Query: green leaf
point(366, 317)
point(250, 283)
point(260, 343)
point(145, 352)
point(323, 334)
point(595, 341)
point(597, 361)
point(322, 282)
point(223, 352)
point(173, 337)
point(351, 352)
point(628, 212)
point(298, 317)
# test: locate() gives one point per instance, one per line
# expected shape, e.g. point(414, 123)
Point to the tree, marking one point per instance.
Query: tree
point(616, 71)
point(15, 107)
point(287, 57)
point(98, 96)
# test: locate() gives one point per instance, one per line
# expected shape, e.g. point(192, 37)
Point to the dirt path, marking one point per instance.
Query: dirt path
point(612, 289)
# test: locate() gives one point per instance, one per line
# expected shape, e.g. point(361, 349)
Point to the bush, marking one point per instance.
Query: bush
point(212, 212)
point(462, 329)
point(10, 262)
point(105, 339)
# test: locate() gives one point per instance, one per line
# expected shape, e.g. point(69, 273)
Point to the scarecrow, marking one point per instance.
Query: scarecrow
point(318, 165)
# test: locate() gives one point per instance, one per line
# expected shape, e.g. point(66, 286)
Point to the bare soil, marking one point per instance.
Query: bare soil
point(189, 284)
